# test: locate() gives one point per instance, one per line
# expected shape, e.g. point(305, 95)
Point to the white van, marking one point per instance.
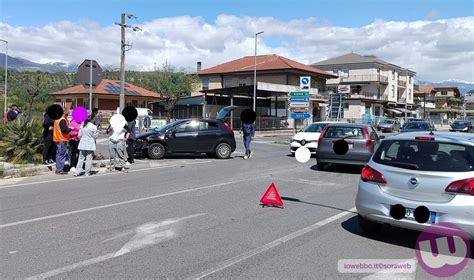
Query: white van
point(140, 111)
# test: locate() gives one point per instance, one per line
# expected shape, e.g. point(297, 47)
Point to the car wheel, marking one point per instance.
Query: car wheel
point(223, 151)
point(369, 226)
point(156, 151)
point(320, 166)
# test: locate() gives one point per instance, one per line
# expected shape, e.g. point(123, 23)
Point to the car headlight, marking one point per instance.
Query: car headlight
point(465, 129)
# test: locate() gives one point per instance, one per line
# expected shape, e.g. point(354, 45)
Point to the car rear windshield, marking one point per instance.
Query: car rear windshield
point(417, 125)
point(425, 155)
point(461, 123)
point(388, 121)
point(344, 132)
point(315, 127)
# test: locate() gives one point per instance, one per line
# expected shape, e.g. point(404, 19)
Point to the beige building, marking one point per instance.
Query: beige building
point(232, 83)
point(377, 87)
point(441, 104)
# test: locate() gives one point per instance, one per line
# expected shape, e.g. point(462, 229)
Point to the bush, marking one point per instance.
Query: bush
point(21, 141)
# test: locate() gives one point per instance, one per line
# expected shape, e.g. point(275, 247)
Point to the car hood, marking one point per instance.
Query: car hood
point(308, 136)
point(146, 134)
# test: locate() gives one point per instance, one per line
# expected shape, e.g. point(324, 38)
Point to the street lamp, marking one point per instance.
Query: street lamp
point(6, 75)
point(255, 74)
point(406, 96)
point(123, 25)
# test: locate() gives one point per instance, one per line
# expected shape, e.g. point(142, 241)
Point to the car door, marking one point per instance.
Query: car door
point(207, 134)
point(182, 138)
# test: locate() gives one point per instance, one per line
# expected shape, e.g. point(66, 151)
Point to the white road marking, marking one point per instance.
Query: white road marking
point(122, 203)
point(271, 245)
point(99, 175)
point(152, 233)
point(71, 267)
point(146, 235)
point(11, 181)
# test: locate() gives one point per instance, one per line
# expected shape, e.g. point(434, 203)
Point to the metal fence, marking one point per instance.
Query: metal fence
point(262, 123)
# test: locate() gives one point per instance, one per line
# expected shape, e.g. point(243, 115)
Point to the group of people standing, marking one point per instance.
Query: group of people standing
point(74, 143)
point(12, 114)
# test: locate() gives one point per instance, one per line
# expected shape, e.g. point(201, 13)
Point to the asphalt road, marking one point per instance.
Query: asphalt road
point(193, 217)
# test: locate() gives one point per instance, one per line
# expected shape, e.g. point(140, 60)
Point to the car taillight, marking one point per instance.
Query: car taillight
point(371, 175)
point(465, 186)
point(425, 138)
point(228, 128)
point(322, 134)
point(368, 141)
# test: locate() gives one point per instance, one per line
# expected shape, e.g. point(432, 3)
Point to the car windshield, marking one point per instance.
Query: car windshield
point(425, 155)
point(315, 127)
point(344, 132)
point(417, 125)
point(388, 121)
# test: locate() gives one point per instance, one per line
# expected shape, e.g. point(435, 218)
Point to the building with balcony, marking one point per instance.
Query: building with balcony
point(232, 83)
point(377, 87)
point(440, 104)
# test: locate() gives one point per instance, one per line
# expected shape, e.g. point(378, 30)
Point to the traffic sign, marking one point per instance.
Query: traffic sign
point(298, 93)
point(305, 83)
point(84, 73)
point(300, 115)
point(299, 104)
point(298, 99)
point(299, 109)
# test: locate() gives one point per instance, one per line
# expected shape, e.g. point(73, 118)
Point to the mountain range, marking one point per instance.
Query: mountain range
point(21, 64)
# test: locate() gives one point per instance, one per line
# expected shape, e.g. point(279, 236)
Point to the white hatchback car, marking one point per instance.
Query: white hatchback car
point(308, 137)
point(417, 179)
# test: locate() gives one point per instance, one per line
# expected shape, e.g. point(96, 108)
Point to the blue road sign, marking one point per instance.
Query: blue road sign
point(298, 99)
point(300, 115)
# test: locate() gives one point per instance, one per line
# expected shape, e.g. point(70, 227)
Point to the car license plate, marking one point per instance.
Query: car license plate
point(410, 215)
point(351, 146)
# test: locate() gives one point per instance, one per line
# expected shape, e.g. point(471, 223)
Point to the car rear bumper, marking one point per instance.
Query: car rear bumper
point(374, 204)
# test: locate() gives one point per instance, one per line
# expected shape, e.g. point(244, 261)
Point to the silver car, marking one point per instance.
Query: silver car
point(417, 179)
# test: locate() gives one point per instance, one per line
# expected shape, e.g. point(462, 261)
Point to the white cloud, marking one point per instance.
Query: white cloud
point(435, 49)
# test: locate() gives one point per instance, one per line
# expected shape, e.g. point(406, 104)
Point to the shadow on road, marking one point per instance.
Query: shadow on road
point(392, 235)
point(340, 168)
point(315, 204)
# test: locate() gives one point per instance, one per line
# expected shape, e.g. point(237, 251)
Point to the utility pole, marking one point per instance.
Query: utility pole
point(123, 25)
point(122, 63)
point(255, 74)
point(6, 75)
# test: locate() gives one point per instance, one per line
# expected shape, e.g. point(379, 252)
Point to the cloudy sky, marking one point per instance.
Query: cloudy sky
point(434, 38)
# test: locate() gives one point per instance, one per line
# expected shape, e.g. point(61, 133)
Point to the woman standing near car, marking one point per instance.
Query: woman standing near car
point(88, 134)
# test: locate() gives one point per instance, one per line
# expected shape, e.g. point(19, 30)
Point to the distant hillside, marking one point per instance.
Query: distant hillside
point(21, 64)
point(462, 85)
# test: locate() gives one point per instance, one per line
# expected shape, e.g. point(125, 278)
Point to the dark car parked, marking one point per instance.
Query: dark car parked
point(462, 126)
point(346, 143)
point(416, 126)
point(213, 137)
point(388, 125)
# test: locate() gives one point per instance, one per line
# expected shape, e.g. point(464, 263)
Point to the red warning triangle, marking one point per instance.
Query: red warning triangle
point(271, 196)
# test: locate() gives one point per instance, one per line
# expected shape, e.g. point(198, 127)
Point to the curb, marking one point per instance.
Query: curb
point(38, 169)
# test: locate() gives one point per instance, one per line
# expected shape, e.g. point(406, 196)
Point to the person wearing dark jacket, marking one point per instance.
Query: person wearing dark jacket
point(249, 132)
point(12, 114)
point(131, 143)
point(48, 144)
point(61, 138)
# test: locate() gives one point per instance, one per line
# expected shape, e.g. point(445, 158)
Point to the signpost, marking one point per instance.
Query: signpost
point(90, 74)
point(299, 101)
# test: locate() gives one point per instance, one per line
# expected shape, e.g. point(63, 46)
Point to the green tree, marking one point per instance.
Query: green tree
point(172, 84)
point(36, 89)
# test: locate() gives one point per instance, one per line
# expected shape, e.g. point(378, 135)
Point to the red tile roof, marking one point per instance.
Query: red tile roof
point(264, 63)
point(109, 87)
